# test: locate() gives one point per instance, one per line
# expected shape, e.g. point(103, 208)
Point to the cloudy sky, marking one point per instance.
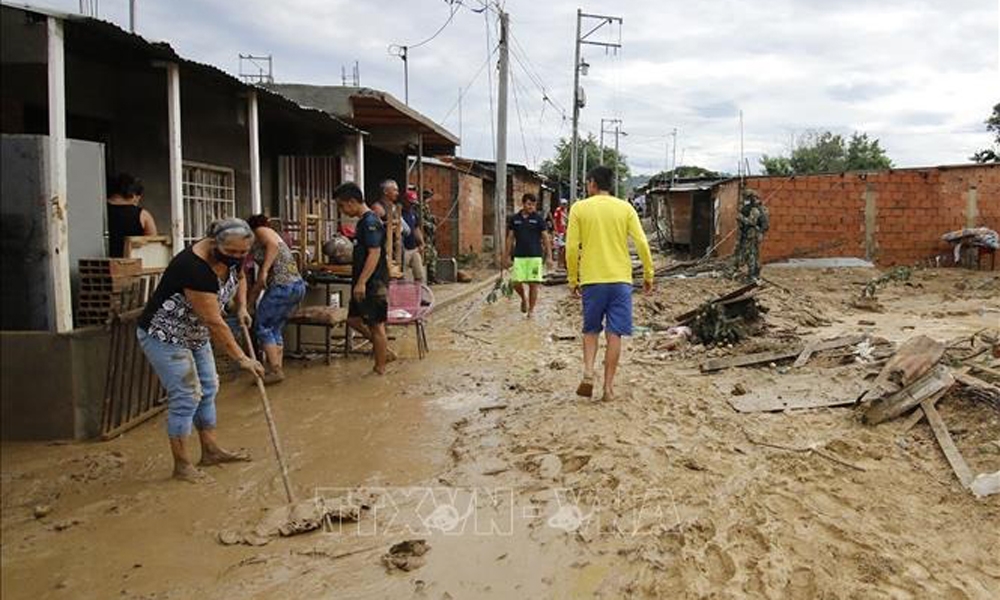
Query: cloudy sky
point(919, 75)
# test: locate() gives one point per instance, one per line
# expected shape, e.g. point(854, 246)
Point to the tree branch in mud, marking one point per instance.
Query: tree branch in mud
point(811, 448)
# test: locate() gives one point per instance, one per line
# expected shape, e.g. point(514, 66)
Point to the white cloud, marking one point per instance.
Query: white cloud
point(920, 75)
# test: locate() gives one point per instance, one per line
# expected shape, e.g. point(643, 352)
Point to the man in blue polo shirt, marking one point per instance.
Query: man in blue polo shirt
point(413, 238)
point(528, 242)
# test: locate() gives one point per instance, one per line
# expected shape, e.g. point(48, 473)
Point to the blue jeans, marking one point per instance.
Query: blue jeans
point(611, 302)
point(190, 380)
point(277, 304)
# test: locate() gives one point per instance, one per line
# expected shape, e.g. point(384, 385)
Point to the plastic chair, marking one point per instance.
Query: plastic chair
point(406, 307)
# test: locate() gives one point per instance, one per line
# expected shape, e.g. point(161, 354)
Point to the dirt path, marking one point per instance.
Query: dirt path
point(522, 490)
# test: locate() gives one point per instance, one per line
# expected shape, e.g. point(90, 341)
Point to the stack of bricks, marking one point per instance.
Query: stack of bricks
point(102, 281)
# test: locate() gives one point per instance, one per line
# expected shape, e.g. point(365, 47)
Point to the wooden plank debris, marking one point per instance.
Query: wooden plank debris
point(804, 357)
point(717, 364)
point(951, 452)
point(885, 409)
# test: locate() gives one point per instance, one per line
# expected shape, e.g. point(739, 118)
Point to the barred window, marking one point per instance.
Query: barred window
point(209, 193)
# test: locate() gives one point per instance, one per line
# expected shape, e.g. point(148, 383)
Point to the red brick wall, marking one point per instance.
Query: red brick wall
point(461, 228)
point(824, 215)
point(440, 179)
point(470, 214)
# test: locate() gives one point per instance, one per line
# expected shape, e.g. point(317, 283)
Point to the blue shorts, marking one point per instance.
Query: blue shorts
point(611, 302)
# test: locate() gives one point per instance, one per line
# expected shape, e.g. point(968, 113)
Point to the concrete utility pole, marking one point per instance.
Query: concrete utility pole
point(603, 131)
point(580, 67)
point(673, 171)
point(132, 15)
point(403, 53)
point(500, 200)
point(618, 132)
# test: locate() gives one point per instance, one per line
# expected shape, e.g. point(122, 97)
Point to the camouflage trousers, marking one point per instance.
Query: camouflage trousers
point(750, 256)
point(430, 262)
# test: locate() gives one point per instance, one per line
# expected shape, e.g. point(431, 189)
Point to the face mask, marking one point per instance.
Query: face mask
point(229, 261)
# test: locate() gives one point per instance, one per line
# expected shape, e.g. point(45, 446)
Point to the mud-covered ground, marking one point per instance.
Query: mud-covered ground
point(524, 490)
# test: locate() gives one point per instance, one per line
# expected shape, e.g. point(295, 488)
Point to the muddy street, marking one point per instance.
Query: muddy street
point(521, 489)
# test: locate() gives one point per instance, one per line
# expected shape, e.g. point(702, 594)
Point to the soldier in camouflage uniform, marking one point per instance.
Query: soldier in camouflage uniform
point(429, 223)
point(753, 221)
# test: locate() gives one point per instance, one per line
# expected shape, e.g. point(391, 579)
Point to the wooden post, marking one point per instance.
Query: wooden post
point(56, 215)
point(360, 175)
point(255, 200)
point(176, 156)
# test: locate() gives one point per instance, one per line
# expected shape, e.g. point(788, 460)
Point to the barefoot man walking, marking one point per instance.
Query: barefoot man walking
point(599, 268)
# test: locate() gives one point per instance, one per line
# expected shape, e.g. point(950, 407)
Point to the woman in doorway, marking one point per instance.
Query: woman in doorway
point(175, 329)
point(125, 215)
point(283, 289)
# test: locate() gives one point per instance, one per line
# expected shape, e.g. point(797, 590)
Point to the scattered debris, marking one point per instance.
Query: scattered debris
point(986, 484)
point(938, 380)
point(811, 448)
point(558, 364)
point(41, 510)
point(738, 390)
point(406, 556)
point(717, 364)
point(895, 275)
point(301, 517)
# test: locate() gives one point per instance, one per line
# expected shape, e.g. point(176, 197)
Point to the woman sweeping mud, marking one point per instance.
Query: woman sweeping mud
point(174, 331)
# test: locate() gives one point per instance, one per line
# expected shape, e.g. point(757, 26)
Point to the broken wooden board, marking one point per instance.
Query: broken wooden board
point(951, 453)
point(918, 415)
point(805, 355)
point(984, 369)
point(717, 364)
point(906, 399)
point(842, 387)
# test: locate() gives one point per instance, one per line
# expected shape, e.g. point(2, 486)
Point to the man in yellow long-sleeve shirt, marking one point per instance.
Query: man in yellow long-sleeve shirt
point(599, 268)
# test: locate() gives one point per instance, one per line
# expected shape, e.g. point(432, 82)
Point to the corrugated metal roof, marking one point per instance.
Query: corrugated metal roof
point(369, 109)
point(158, 50)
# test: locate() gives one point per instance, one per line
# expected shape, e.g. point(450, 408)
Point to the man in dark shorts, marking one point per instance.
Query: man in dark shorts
point(369, 305)
point(528, 242)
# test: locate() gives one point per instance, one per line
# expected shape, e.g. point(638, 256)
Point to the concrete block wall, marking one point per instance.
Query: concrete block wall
point(890, 217)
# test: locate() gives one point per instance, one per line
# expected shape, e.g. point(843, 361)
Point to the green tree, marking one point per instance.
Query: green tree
point(989, 155)
point(558, 167)
point(828, 152)
point(685, 171)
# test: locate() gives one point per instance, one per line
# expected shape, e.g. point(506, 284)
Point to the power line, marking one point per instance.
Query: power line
point(470, 84)
point(454, 9)
point(522, 59)
point(520, 122)
point(493, 130)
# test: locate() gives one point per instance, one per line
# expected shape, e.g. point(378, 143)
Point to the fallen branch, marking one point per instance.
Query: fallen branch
point(814, 448)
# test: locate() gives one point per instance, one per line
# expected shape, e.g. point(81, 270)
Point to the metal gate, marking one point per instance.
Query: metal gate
point(132, 392)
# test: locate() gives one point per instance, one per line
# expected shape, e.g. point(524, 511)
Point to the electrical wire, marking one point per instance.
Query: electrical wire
point(520, 122)
point(470, 84)
point(489, 72)
point(454, 9)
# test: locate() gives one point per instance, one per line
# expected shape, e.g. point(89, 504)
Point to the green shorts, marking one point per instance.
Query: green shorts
point(528, 269)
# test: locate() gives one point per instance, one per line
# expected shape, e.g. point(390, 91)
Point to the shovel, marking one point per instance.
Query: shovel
point(275, 441)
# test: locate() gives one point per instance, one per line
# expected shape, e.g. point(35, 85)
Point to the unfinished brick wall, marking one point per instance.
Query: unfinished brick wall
point(891, 217)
